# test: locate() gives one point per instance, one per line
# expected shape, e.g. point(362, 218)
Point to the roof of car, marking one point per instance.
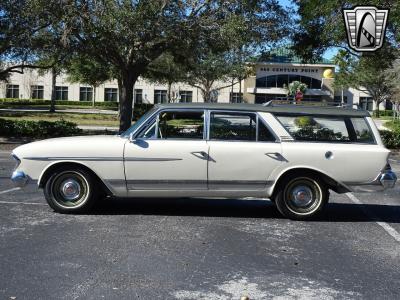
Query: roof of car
point(282, 109)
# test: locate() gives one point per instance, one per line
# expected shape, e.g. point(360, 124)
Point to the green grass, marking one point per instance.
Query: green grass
point(78, 118)
point(394, 125)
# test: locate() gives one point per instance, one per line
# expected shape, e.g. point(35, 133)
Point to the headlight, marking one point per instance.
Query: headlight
point(17, 161)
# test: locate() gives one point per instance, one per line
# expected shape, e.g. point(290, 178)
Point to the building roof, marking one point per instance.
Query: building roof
point(284, 109)
point(286, 55)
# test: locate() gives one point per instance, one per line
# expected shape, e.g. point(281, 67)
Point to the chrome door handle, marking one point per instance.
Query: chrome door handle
point(276, 155)
point(200, 154)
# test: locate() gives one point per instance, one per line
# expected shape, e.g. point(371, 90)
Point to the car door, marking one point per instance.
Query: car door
point(169, 154)
point(243, 151)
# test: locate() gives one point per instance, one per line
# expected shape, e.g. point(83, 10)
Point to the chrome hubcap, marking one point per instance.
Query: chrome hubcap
point(302, 196)
point(70, 189)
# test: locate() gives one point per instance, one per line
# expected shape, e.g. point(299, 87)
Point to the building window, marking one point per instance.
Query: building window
point(185, 96)
point(367, 103)
point(236, 97)
point(284, 80)
point(86, 94)
point(61, 93)
point(160, 96)
point(339, 99)
point(111, 94)
point(138, 96)
point(37, 91)
point(12, 91)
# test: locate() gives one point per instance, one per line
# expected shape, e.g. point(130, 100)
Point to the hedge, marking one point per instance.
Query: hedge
point(391, 139)
point(383, 113)
point(138, 111)
point(19, 102)
point(37, 129)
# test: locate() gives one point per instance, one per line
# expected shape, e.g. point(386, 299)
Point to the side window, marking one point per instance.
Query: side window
point(181, 125)
point(363, 133)
point(149, 132)
point(313, 128)
point(264, 135)
point(232, 126)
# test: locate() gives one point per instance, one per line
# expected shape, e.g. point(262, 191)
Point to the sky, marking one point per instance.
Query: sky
point(329, 54)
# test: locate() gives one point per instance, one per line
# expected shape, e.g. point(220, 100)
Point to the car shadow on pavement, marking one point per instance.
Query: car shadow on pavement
point(238, 208)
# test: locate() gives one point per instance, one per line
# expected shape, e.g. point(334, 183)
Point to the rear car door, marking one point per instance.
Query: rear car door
point(243, 151)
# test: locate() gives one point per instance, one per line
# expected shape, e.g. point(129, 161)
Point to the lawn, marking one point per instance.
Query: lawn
point(78, 118)
point(394, 125)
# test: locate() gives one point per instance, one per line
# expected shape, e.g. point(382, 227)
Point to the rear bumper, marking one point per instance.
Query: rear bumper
point(19, 178)
point(385, 180)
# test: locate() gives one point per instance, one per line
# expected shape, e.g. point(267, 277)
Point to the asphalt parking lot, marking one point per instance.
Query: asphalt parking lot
point(197, 248)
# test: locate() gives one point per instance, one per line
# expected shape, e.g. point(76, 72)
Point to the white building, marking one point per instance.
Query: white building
point(266, 84)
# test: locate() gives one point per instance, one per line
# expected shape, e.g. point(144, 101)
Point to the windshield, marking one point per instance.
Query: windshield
point(139, 122)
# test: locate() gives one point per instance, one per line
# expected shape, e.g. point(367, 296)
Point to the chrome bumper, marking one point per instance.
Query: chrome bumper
point(19, 178)
point(385, 180)
point(388, 179)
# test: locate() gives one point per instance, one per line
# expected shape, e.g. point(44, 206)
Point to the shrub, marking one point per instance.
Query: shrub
point(140, 110)
point(21, 102)
point(37, 129)
point(383, 113)
point(391, 139)
point(304, 121)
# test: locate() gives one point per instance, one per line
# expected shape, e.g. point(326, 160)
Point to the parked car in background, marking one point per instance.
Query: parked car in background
point(293, 155)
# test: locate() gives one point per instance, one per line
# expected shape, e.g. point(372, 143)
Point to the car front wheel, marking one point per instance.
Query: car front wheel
point(70, 191)
point(301, 197)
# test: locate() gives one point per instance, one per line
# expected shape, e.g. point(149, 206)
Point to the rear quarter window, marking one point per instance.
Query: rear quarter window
point(327, 129)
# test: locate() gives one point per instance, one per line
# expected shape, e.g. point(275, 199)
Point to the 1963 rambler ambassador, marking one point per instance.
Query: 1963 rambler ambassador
point(292, 154)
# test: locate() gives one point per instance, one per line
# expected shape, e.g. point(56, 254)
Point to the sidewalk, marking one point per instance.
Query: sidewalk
point(379, 123)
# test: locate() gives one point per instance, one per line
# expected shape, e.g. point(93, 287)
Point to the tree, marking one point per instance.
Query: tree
point(166, 70)
point(321, 27)
point(130, 35)
point(367, 73)
point(296, 85)
point(21, 25)
point(210, 73)
point(85, 70)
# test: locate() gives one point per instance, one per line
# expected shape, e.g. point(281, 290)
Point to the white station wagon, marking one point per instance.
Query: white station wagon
point(291, 154)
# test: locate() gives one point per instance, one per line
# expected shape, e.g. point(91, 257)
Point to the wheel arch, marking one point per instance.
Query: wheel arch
point(331, 183)
point(46, 173)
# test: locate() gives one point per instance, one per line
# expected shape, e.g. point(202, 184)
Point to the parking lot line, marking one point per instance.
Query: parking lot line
point(10, 190)
point(389, 229)
point(26, 203)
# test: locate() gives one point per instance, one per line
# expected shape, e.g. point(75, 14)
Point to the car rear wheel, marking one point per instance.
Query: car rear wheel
point(301, 197)
point(70, 191)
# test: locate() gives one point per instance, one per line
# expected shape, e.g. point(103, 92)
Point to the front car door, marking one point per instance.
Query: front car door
point(243, 151)
point(170, 153)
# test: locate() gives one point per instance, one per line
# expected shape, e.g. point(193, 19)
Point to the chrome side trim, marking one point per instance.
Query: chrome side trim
point(103, 158)
point(197, 184)
point(74, 158)
point(151, 159)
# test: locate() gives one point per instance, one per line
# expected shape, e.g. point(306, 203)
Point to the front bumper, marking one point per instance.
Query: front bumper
point(19, 178)
point(385, 180)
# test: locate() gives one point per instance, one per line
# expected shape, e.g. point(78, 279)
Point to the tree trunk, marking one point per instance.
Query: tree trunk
point(53, 90)
point(94, 96)
point(240, 90)
point(169, 92)
point(231, 97)
point(377, 108)
point(125, 88)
